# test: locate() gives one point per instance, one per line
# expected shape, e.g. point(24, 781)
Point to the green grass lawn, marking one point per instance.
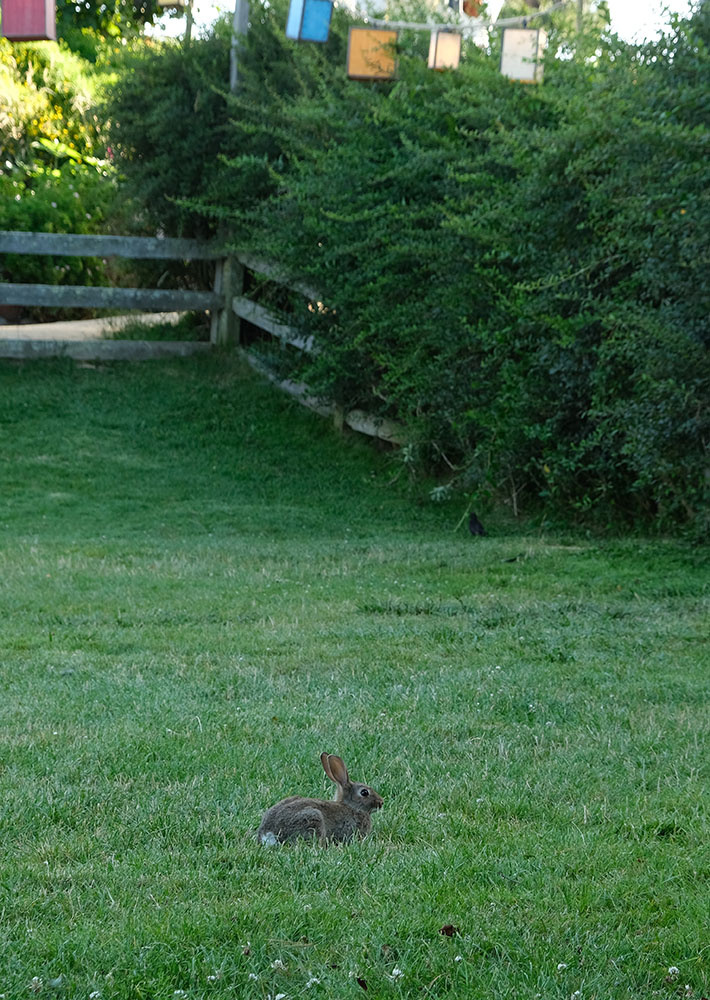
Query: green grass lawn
point(201, 588)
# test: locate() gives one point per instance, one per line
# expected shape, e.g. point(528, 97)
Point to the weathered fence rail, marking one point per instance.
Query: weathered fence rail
point(225, 302)
point(100, 297)
point(81, 245)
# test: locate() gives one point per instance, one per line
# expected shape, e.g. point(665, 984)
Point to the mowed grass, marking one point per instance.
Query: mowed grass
point(201, 588)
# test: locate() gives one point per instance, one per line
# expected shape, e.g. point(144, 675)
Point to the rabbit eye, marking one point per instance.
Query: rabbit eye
point(364, 792)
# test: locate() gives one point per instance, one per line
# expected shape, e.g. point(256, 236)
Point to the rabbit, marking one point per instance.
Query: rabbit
point(336, 821)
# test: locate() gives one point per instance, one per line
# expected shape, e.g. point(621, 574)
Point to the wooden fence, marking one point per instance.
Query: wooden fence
point(225, 301)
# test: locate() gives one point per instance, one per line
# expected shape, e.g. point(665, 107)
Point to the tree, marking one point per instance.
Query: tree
point(564, 24)
point(104, 17)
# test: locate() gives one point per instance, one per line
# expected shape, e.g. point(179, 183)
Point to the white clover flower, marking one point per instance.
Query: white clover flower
point(576, 995)
point(458, 958)
point(253, 976)
point(95, 995)
point(561, 966)
point(673, 971)
point(396, 974)
point(312, 982)
point(278, 964)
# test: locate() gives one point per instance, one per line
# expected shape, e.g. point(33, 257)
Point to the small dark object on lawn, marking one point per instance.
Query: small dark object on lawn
point(449, 930)
point(474, 525)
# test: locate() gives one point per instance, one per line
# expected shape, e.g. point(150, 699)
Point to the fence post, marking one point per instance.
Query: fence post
point(339, 418)
point(228, 283)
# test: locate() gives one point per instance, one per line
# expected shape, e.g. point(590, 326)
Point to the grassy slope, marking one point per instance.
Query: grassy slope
point(200, 590)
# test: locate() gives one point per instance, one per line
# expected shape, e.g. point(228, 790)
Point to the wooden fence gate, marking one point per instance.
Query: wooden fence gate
point(225, 301)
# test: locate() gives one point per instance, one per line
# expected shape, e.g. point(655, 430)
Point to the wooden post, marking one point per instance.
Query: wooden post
point(339, 417)
point(228, 283)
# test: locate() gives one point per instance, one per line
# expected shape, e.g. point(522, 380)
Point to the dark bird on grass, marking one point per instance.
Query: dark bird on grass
point(474, 525)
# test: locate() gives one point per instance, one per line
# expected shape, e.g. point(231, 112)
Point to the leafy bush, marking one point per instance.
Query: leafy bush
point(516, 273)
point(85, 26)
point(191, 152)
point(47, 105)
point(68, 199)
point(167, 124)
point(53, 177)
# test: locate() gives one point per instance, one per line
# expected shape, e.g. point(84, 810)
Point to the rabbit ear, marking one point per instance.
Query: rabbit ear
point(325, 761)
point(336, 770)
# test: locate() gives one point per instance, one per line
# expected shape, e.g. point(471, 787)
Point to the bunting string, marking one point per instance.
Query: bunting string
point(470, 24)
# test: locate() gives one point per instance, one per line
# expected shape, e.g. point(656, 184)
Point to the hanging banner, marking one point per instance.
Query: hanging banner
point(521, 54)
point(309, 20)
point(444, 50)
point(371, 53)
point(29, 20)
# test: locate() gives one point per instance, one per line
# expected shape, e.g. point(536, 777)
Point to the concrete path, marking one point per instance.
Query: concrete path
point(92, 340)
point(81, 329)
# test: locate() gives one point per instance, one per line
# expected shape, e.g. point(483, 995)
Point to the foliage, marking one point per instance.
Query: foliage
point(556, 343)
point(517, 274)
point(106, 16)
point(53, 173)
point(47, 105)
point(188, 327)
point(82, 24)
point(71, 198)
point(201, 589)
point(561, 25)
point(167, 121)
point(171, 119)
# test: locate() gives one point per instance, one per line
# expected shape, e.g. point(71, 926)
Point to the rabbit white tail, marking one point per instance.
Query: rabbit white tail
point(269, 839)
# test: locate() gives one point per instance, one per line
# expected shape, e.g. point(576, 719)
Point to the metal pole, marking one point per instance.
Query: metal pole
point(229, 277)
point(188, 24)
point(240, 26)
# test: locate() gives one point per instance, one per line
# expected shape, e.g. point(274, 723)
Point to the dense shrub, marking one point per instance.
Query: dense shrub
point(53, 175)
point(72, 198)
point(47, 105)
point(516, 273)
point(168, 122)
point(190, 152)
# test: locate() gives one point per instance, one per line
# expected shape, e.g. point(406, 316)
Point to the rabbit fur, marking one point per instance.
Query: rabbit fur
point(346, 816)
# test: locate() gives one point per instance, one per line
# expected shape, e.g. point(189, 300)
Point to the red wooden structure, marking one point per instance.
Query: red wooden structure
point(29, 20)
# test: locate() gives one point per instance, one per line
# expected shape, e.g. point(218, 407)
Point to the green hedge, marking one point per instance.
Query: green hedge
point(54, 176)
point(517, 273)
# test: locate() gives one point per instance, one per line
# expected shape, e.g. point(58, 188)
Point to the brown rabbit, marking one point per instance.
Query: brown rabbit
point(296, 817)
